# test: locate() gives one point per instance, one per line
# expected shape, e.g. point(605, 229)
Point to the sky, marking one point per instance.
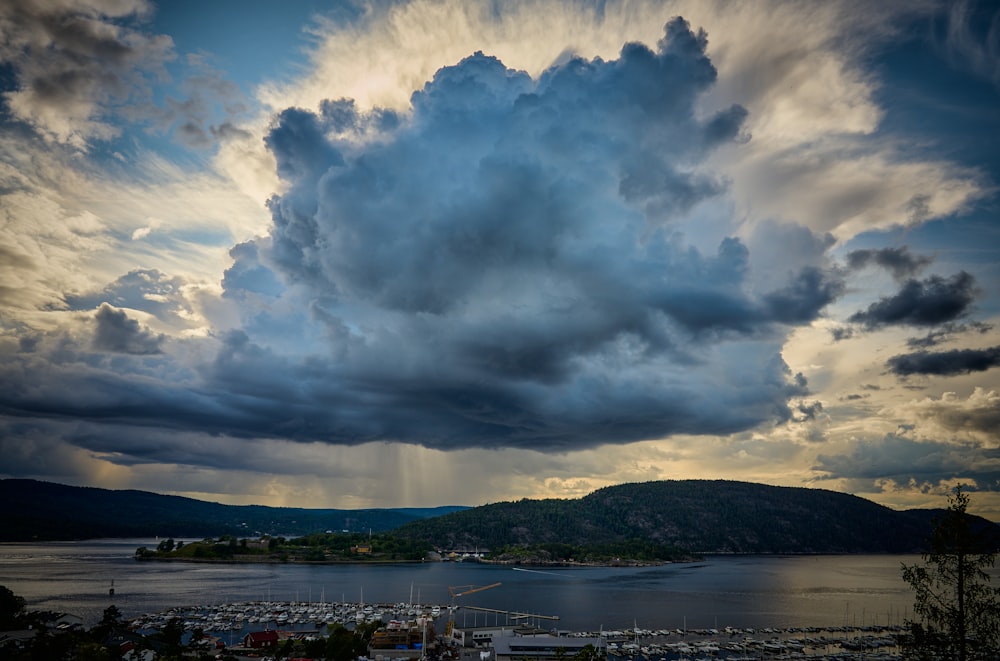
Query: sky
point(435, 252)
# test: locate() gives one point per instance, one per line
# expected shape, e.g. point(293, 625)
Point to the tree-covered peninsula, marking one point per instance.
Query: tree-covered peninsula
point(316, 548)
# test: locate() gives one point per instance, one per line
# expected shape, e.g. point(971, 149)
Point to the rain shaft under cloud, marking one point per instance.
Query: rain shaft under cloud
point(507, 265)
point(477, 243)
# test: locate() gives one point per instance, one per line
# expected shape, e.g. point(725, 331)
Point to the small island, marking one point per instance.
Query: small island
point(347, 547)
point(319, 548)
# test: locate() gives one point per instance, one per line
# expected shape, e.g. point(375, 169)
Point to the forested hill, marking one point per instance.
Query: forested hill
point(698, 515)
point(35, 510)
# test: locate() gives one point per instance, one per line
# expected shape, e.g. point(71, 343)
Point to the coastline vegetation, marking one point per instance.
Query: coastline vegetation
point(328, 547)
point(332, 548)
point(630, 552)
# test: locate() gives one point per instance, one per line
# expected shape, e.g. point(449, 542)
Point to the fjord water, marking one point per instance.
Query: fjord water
point(737, 591)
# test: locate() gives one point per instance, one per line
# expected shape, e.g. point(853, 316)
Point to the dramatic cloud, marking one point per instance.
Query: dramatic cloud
point(935, 300)
point(501, 267)
point(449, 251)
point(461, 262)
point(944, 363)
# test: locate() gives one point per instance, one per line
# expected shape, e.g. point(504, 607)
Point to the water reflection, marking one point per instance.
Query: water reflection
point(739, 591)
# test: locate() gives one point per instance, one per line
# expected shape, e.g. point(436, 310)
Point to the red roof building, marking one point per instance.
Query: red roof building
point(260, 639)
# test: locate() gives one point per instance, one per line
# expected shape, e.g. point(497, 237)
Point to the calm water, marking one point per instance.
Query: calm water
point(740, 591)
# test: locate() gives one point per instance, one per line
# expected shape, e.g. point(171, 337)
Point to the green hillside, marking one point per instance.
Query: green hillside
point(698, 515)
point(652, 519)
point(37, 510)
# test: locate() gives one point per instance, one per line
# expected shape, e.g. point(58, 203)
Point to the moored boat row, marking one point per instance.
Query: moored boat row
point(276, 614)
point(633, 644)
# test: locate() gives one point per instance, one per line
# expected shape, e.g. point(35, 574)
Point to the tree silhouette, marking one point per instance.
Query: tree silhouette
point(11, 606)
point(171, 635)
point(959, 612)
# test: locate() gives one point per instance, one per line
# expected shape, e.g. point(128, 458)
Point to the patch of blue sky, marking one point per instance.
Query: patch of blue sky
point(938, 106)
point(940, 97)
point(261, 40)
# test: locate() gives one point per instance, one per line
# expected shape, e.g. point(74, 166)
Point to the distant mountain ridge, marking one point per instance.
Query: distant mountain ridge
point(701, 516)
point(46, 511)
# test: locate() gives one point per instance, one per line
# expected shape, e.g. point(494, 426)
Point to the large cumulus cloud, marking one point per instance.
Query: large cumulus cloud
point(507, 264)
point(510, 263)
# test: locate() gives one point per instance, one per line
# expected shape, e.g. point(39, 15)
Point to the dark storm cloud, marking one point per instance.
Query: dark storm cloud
point(944, 363)
point(504, 266)
point(928, 302)
point(501, 266)
point(116, 333)
point(921, 462)
point(898, 261)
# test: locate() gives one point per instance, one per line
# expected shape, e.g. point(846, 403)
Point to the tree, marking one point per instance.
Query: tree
point(171, 635)
point(11, 607)
point(340, 644)
point(110, 620)
point(958, 609)
point(588, 653)
point(112, 617)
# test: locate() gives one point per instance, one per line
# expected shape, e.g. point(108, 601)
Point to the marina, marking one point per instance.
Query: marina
point(243, 617)
point(232, 622)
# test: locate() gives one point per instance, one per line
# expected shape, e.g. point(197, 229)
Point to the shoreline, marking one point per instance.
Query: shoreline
point(505, 563)
point(276, 561)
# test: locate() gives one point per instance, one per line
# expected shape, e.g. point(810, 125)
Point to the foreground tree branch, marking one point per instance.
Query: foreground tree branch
point(958, 611)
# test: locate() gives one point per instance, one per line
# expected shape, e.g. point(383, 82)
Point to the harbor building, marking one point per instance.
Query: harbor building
point(511, 647)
